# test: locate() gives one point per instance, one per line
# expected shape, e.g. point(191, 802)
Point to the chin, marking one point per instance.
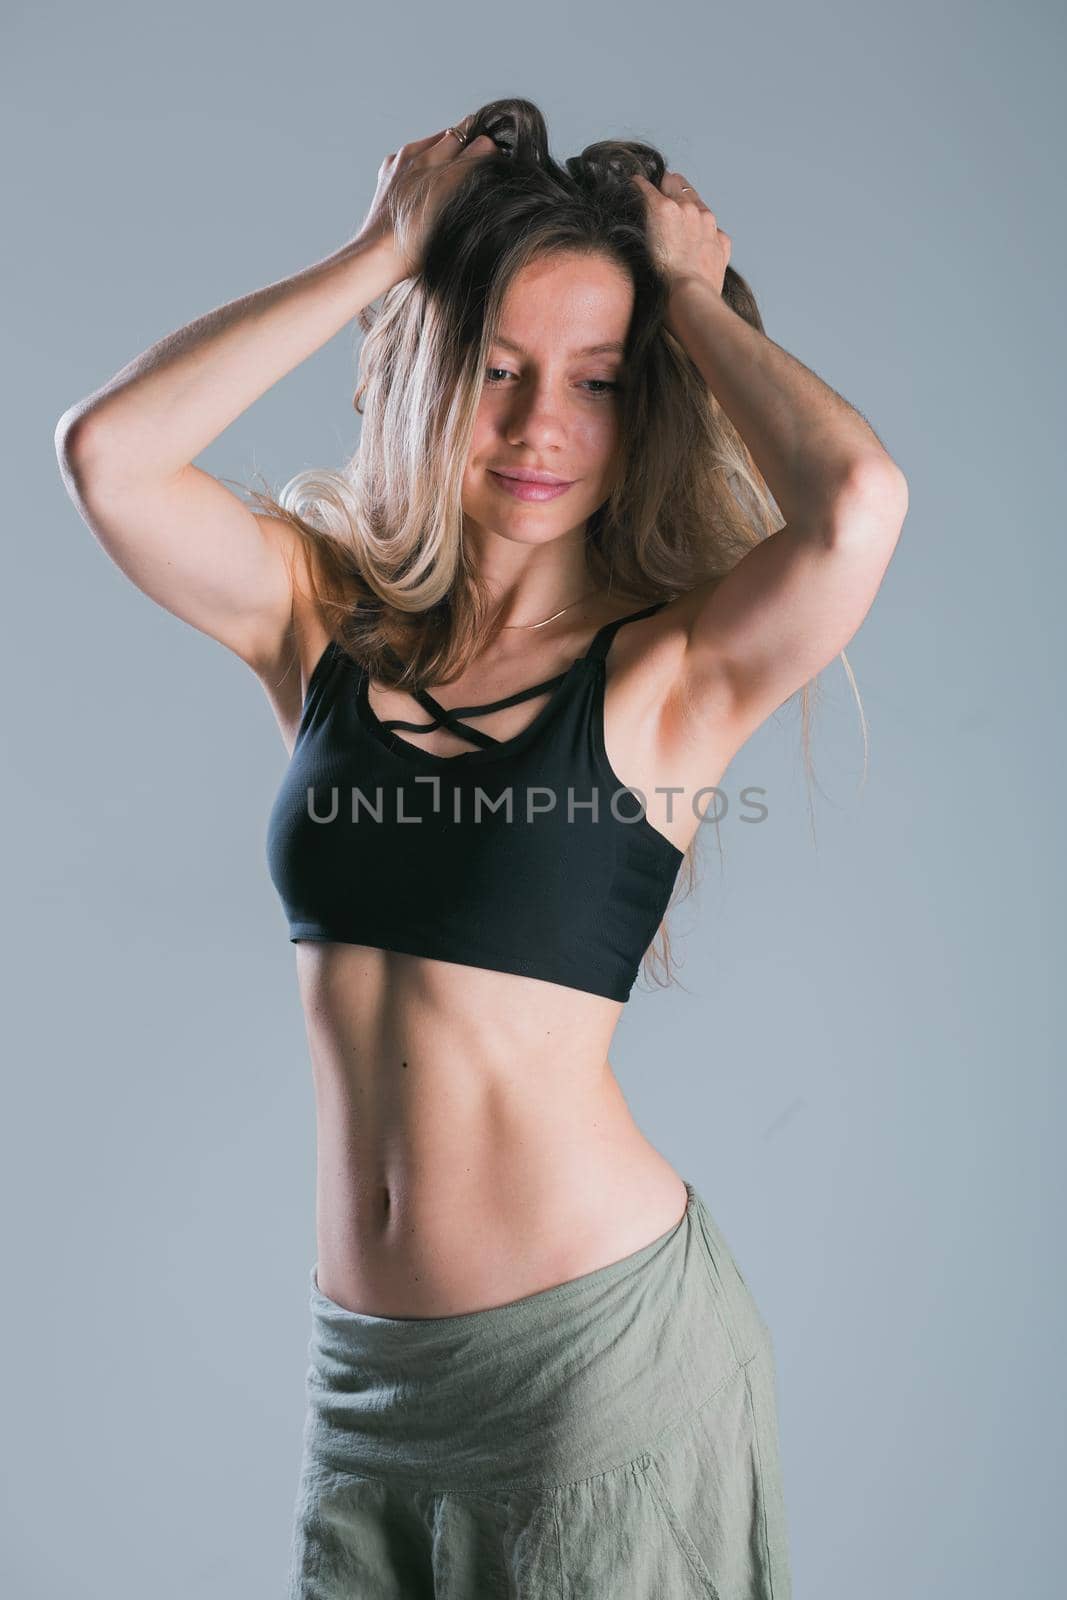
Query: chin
point(526, 522)
point(528, 533)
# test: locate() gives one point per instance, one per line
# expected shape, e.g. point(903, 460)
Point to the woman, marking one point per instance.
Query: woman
point(535, 1367)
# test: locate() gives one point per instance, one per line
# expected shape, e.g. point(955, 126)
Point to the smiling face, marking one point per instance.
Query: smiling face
point(549, 404)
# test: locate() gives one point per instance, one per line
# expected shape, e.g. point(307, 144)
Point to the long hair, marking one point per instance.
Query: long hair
point(384, 555)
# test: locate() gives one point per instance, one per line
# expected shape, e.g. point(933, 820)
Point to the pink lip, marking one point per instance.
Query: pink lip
point(522, 489)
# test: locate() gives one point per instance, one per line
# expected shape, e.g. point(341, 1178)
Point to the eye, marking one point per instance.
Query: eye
point(604, 385)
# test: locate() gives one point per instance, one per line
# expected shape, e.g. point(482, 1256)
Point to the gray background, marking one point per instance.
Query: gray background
point(859, 1074)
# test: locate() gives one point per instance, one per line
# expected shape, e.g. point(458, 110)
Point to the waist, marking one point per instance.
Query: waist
point(462, 1238)
point(473, 1142)
point(546, 1388)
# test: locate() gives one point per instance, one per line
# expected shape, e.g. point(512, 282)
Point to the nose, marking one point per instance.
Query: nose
point(535, 418)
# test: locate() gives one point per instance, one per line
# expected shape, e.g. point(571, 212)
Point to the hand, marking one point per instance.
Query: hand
point(413, 185)
point(685, 239)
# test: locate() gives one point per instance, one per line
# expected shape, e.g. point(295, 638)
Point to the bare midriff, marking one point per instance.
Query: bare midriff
point(473, 1143)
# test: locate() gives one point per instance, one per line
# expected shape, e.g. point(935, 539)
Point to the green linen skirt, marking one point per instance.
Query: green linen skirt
point(613, 1438)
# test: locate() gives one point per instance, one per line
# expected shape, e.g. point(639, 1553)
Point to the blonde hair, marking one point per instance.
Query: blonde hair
point(382, 538)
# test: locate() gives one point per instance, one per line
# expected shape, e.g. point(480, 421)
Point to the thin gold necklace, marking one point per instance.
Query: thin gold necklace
point(554, 615)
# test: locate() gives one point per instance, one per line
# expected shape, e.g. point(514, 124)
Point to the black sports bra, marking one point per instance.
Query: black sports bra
point(526, 855)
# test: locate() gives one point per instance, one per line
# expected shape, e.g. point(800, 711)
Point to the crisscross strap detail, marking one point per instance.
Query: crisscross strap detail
point(449, 716)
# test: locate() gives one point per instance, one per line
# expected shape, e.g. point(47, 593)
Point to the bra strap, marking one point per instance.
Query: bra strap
point(602, 639)
point(511, 699)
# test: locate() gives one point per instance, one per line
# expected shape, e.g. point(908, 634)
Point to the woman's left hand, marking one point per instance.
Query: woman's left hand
point(686, 242)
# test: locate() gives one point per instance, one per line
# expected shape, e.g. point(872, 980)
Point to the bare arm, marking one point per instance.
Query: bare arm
point(806, 440)
point(126, 451)
point(756, 636)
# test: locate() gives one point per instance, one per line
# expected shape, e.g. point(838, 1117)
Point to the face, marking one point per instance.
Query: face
point(549, 405)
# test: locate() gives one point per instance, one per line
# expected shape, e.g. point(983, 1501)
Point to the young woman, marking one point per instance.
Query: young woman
point(511, 649)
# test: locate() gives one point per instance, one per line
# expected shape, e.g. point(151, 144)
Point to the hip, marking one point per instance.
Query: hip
point(616, 1434)
point(543, 1389)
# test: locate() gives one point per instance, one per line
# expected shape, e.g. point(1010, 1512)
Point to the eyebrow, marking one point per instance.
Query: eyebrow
point(612, 346)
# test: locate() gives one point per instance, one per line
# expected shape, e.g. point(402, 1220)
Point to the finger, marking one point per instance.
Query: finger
point(479, 147)
point(683, 191)
point(463, 128)
point(424, 144)
point(453, 141)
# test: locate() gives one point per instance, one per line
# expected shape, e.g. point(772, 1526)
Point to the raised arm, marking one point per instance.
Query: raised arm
point(795, 600)
point(789, 606)
point(126, 452)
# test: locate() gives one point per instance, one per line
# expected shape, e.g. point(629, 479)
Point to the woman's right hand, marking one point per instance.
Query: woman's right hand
point(413, 185)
